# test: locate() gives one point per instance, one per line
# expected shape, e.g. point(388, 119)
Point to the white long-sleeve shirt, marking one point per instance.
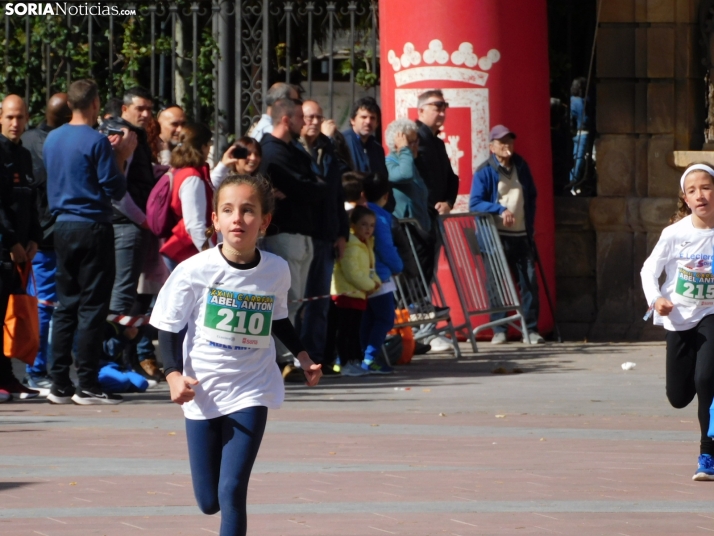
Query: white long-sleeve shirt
point(685, 253)
point(261, 128)
point(192, 194)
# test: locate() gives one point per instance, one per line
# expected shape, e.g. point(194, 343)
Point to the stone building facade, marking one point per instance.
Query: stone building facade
point(650, 103)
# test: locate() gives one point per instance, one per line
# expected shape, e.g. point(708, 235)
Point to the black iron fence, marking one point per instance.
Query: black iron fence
point(215, 57)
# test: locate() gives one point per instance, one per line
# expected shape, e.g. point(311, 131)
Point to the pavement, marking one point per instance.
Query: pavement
point(560, 440)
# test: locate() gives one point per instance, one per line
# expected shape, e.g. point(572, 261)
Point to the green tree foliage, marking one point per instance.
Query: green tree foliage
point(59, 51)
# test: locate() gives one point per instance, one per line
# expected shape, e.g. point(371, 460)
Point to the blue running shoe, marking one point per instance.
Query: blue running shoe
point(375, 368)
point(705, 471)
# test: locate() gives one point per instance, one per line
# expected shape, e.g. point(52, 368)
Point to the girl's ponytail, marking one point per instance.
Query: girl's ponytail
point(683, 209)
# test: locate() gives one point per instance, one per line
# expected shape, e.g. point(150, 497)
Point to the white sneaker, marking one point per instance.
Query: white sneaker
point(441, 344)
point(351, 369)
point(499, 338)
point(535, 338)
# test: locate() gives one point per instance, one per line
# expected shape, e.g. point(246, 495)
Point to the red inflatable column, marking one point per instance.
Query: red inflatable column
point(491, 60)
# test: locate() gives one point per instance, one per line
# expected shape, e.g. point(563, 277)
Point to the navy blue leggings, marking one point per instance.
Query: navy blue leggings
point(221, 452)
point(377, 320)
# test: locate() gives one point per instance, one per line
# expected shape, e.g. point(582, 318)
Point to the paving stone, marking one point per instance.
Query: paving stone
point(573, 445)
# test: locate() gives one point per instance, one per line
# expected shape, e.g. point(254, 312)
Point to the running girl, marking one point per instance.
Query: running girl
point(224, 375)
point(684, 305)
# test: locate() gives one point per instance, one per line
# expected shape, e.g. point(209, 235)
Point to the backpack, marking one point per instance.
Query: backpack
point(159, 217)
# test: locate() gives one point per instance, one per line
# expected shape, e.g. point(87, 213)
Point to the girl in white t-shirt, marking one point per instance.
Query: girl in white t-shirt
point(223, 374)
point(684, 304)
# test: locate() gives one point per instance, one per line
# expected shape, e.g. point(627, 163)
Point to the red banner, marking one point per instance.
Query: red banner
point(490, 58)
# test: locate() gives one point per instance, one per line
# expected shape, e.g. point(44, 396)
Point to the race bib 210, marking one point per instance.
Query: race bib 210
point(238, 319)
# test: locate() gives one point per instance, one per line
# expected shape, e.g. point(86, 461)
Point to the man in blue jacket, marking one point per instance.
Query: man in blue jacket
point(84, 175)
point(366, 152)
point(503, 186)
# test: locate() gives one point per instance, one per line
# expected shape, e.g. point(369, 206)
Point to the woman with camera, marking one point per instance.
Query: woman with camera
point(243, 157)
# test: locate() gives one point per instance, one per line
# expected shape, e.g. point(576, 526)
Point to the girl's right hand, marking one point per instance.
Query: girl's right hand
point(663, 306)
point(180, 387)
point(228, 159)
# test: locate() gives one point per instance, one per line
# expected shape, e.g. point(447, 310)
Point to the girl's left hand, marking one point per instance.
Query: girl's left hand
point(313, 372)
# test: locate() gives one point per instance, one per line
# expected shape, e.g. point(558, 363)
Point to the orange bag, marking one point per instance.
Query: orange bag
point(22, 322)
point(408, 342)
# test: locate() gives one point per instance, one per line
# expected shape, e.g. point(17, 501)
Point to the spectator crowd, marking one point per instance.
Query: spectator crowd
point(105, 201)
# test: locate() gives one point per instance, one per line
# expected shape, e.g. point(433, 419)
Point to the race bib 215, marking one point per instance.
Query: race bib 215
point(238, 319)
point(694, 288)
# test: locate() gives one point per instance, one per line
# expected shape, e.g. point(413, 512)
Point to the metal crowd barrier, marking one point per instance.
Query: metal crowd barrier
point(478, 265)
point(415, 294)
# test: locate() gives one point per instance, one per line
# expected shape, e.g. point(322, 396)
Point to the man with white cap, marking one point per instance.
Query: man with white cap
point(503, 186)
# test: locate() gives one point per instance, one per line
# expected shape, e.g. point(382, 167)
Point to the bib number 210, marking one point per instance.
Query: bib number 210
point(255, 321)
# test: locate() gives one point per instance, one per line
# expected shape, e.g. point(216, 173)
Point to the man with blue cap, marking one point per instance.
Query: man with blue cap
point(503, 186)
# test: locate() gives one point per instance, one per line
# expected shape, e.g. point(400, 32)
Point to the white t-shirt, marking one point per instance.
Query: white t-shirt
point(685, 253)
point(228, 347)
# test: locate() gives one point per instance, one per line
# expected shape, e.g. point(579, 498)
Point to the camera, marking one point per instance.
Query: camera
point(112, 126)
point(240, 153)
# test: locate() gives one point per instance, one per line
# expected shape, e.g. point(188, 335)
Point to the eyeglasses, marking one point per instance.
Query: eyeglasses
point(311, 118)
point(439, 105)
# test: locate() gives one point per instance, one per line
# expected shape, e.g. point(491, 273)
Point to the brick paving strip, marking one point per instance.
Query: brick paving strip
point(574, 445)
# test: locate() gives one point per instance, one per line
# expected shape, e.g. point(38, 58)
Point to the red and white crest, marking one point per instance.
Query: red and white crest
point(465, 132)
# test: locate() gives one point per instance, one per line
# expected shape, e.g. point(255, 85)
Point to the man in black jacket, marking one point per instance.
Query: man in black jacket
point(433, 162)
point(44, 265)
point(129, 220)
point(19, 223)
point(132, 236)
point(289, 168)
point(330, 234)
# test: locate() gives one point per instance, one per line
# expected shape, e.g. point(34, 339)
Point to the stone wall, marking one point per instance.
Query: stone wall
point(650, 102)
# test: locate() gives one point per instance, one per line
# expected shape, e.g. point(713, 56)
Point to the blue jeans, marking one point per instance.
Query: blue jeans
point(145, 346)
point(221, 453)
point(314, 323)
point(581, 146)
point(129, 258)
point(44, 266)
point(520, 260)
point(377, 320)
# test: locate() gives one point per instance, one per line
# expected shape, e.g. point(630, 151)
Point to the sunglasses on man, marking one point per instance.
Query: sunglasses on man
point(439, 105)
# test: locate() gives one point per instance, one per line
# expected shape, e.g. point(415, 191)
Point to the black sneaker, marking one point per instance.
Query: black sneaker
point(330, 371)
point(60, 396)
point(86, 397)
point(420, 348)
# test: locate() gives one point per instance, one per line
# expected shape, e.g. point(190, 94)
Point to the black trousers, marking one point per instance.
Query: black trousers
point(9, 280)
point(690, 371)
point(349, 322)
point(85, 275)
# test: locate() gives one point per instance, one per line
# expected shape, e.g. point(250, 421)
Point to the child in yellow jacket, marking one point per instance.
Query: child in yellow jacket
point(353, 279)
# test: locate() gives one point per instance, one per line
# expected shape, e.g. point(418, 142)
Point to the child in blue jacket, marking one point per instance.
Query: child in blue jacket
point(378, 319)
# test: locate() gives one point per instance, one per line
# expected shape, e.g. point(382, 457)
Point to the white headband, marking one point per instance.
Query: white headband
point(695, 167)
